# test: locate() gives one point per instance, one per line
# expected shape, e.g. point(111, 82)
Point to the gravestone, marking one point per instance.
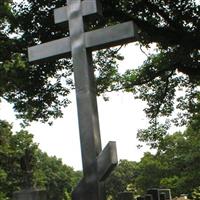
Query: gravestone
point(125, 196)
point(166, 193)
point(27, 163)
point(162, 196)
point(97, 163)
point(30, 194)
point(141, 198)
point(148, 197)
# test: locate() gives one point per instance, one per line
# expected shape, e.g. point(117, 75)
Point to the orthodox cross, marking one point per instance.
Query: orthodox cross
point(97, 163)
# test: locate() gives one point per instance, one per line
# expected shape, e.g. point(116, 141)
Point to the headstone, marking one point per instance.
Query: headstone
point(141, 198)
point(157, 194)
point(97, 164)
point(148, 197)
point(162, 196)
point(27, 164)
point(167, 193)
point(125, 196)
point(30, 194)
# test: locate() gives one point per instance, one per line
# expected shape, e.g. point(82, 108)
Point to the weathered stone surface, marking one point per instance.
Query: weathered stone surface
point(148, 197)
point(125, 196)
point(88, 7)
point(30, 194)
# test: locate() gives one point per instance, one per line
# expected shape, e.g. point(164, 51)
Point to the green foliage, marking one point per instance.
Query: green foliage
point(172, 25)
point(57, 178)
point(122, 179)
point(39, 92)
point(175, 165)
point(164, 91)
point(41, 171)
point(8, 163)
point(196, 193)
point(107, 75)
point(42, 89)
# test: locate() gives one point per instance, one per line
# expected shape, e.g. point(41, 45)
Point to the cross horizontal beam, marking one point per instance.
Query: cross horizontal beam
point(94, 40)
point(89, 7)
point(107, 160)
point(55, 49)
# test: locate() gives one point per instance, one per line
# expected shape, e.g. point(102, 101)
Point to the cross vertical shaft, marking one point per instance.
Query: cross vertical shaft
point(97, 163)
point(85, 90)
point(87, 106)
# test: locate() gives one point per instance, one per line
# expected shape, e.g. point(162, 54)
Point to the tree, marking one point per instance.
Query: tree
point(172, 25)
point(18, 171)
point(149, 171)
point(5, 151)
point(57, 178)
point(47, 85)
point(121, 179)
point(12, 149)
point(174, 165)
point(177, 156)
point(196, 194)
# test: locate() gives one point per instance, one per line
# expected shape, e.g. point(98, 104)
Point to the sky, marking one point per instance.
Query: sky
point(120, 118)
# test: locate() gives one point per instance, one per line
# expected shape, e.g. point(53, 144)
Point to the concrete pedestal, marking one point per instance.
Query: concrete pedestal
point(30, 194)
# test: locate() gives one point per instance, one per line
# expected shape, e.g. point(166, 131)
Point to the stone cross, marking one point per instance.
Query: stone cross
point(97, 163)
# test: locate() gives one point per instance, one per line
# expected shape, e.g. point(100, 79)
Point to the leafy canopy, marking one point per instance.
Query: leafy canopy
point(174, 165)
point(44, 172)
point(38, 92)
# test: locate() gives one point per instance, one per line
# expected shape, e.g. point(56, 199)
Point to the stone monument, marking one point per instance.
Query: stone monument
point(28, 192)
point(160, 194)
point(125, 196)
point(97, 163)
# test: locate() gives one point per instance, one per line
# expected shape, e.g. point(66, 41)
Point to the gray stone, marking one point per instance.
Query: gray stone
point(155, 193)
point(141, 198)
point(162, 196)
point(148, 197)
point(106, 161)
point(158, 194)
point(94, 40)
point(125, 196)
point(88, 8)
point(166, 193)
point(30, 194)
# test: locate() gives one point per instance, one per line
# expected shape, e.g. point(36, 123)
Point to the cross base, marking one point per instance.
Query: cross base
point(91, 187)
point(89, 190)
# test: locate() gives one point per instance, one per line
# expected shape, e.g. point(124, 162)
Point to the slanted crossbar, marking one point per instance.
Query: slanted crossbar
point(94, 40)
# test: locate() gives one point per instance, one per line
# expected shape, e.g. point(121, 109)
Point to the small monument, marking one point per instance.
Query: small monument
point(97, 163)
point(28, 192)
point(125, 196)
point(160, 194)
